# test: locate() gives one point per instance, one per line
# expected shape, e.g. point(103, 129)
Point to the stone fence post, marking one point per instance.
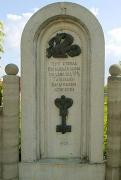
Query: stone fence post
point(113, 171)
point(1, 118)
point(10, 124)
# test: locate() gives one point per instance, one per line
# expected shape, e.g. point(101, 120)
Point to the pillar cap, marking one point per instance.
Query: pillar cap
point(115, 70)
point(11, 69)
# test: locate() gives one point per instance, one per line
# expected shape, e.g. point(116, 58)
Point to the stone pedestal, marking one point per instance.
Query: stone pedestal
point(113, 170)
point(61, 169)
point(62, 95)
point(10, 123)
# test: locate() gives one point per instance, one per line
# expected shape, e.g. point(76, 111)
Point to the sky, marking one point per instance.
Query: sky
point(14, 14)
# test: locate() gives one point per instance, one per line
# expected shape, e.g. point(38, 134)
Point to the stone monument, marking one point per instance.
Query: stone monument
point(62, 53)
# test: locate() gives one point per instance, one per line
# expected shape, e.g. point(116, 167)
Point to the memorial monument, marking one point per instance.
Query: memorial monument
point(62, 54)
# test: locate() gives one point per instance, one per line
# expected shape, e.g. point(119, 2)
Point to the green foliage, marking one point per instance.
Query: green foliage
point(105, 89)
point(1, 37)
point(105, 125)
point(1, 92)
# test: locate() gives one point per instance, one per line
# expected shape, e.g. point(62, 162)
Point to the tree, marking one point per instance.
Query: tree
point(1, 37)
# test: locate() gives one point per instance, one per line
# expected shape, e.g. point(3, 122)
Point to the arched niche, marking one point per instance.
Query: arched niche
point(40, 85)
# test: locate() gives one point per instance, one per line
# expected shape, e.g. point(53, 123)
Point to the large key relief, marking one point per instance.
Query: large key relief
point(63, 104)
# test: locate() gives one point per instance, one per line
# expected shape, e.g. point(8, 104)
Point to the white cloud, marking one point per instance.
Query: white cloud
point(113, 43)
point(13, 28)
point(94, 10)
point(27, 15)
point(14, 25)
point(13, 17)
point(113, 48)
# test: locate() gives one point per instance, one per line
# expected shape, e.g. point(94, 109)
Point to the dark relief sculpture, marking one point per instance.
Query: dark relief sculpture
point(61, 46)
point(63, 104)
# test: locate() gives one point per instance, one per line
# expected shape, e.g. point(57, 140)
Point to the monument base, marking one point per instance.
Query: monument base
point(61, 170)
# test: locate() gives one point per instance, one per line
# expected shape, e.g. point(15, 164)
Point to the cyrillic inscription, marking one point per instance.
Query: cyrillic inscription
point(64, 75)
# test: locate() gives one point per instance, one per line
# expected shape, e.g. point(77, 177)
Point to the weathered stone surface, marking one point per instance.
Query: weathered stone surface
point(114, 124)
point(10, 124)
point(115, 70)
point(10, 171)
point(1, 119)
point(11, 69)
point(48, 73)
point(86, 88)
point(113, 173)
point(10, 138)
point(10, 155)
point(59, 171)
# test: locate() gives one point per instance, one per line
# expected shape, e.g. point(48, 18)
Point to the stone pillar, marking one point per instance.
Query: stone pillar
point(10, 124)
point(113, 171)
point(1, 117)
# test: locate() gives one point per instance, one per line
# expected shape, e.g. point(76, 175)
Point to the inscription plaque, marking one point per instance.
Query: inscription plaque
point(64, 77)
